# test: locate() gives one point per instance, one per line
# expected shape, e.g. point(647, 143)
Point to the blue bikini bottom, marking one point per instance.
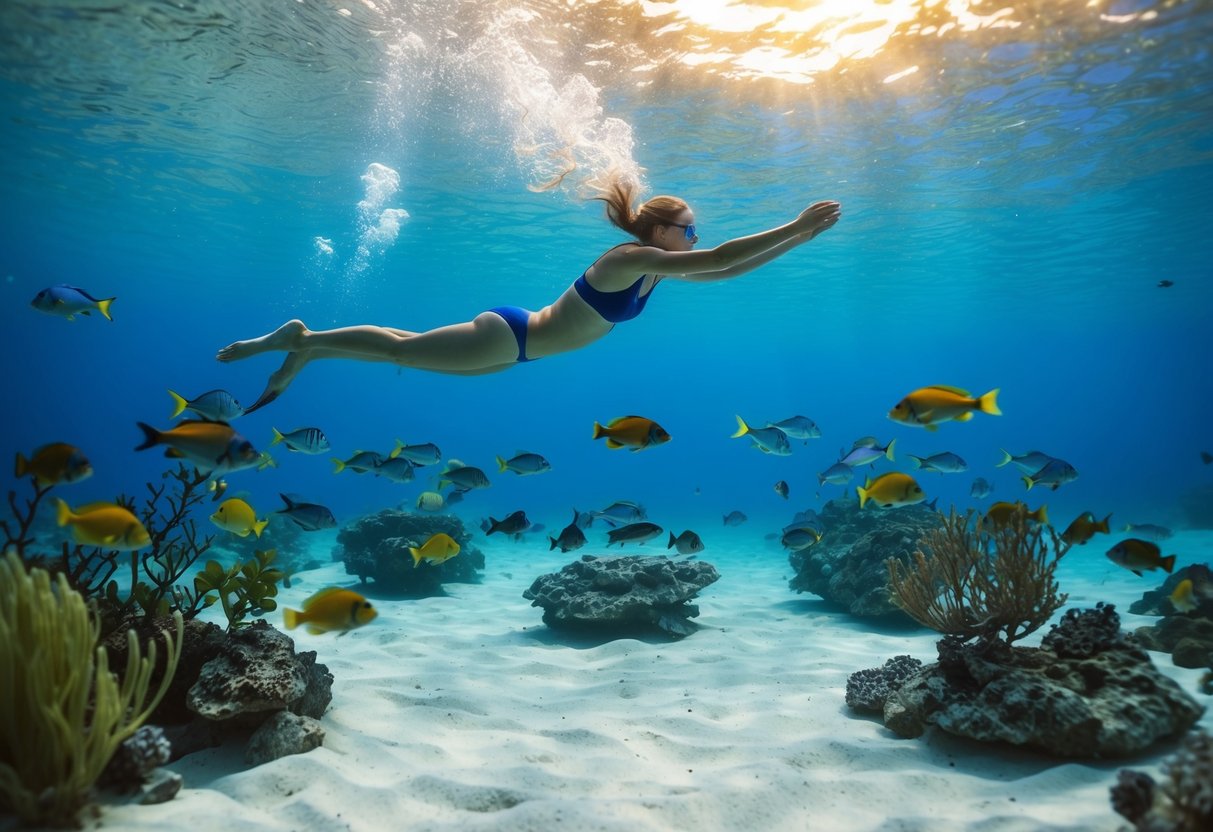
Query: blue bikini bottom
point(517, 318)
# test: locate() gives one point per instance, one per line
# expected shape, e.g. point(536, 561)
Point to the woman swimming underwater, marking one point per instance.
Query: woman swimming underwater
point(614, 288)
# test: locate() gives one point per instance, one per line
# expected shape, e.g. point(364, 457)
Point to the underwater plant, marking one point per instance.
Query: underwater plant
point(65, 713)
point(981, 583)
point(246, 588)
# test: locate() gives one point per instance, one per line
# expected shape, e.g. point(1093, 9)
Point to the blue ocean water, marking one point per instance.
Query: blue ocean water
point(1015, 182)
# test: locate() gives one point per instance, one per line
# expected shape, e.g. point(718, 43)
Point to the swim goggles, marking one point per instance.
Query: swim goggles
point(689, 230)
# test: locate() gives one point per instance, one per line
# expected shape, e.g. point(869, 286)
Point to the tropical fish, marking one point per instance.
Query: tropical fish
point(837, 474)
point(396, 469)
point(1001, 514)
point(1139, 555)
point(68, 301)
point(928, 406)
point(633, 533)
point(1198, 589)
point(1055, 474)
point(1183, 598)
point(981, 488)
point(359, 463)
point(1148, 531)
point(890, 490)
point(1083, 528)
point(571, 537)
point(781, 488)
point(514, 523)
point(440, 548)
point(734, 518)
point(620, 511)
point(53, 464)
point(769, 440)
point(107, 525)
point(524, 464)
point(635, 432)
point(430, 501)
point(311, 517)
point(942, 463)
point(798, 427)
point(209, 446)
point(331, 609)
point(420, 455)
point(217, 487)
point(1028, 463)
point(303, 440)
point(464, 478)
point(265, 460)
point(687, 543)
point(866, 451)
point(213, 406)
point(1165, 284)
point(238, 517)
point(799, 538)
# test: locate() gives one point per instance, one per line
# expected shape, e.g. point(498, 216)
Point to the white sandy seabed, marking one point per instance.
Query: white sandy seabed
point(466, 712)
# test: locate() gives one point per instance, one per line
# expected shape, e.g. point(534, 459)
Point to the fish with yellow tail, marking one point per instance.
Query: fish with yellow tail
point(107, 525)
point(208, 446)
point(1184, 598)
point(926, 407)
point(69, 301)
point(635, 432)
point(53, 464)
point(890, 491)
point(769, 440)
point(1139, 556)
point(329, 610)
point(237, 516)
point(438, 549)
point(1084, 528)
point(1194, 590)
point(1003, 513)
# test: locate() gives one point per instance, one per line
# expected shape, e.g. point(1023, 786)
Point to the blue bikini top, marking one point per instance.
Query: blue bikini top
point(614, 307)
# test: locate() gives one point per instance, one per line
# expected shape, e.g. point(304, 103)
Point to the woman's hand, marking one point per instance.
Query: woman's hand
point(817, 218)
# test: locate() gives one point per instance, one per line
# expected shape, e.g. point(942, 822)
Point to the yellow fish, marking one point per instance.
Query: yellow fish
point(1002, 513)
point(331, 609)
point(55, 463)
point(208, 445)
point(928, 406)
point(1184, 598)
point(438, 549)
point(1084, 528)
point(889, 490)
point(635, 432)
point(430, 501)
point(238, 517)
point(107, 525)
point(1139, 555)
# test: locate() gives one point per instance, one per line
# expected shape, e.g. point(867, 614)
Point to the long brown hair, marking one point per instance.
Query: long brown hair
point(619, 194)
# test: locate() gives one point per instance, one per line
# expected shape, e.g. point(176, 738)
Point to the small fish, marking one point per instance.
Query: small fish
point(514, 523)
point(798, 427)
point(687, 543)
point(524, 464)
point(464, 478)
point(571, 537)
point(238, 517)
point(800, 538)
point(1083, 528)
point(890, 491)
point(633, 533)
point(456, 496)
point(1001, 514)
point(107, 525)
point(53, 464)
point(981, 488)
point(303, 440)
point(398, 469)
point(941, 463)
point(329, 610)
point(1028, 463)
point(1055, 474)
point(209, 446)
point(866, 451)
point(430, 501)
point(1206, 457)
point(311, 517)
point(265, 460)
point(734, 518)
point(926, 407)
point(837, 474)
point(440, 548)
point(1149, 531)
point(217, 487)
point(1199, 588)
point(769, 440)
point(1139, 555)
point(1165, 284)
point(420, 455)
point(213, 406)
point(781, 488)
point(359, 463)
point(620, 512)
point(635, 432)
point(1184, 598)
point(68, 301)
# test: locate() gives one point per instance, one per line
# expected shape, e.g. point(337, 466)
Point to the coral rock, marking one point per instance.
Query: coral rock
point(376, 548)
point(282, 734)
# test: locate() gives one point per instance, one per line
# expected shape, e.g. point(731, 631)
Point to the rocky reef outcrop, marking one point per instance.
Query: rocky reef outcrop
point(376, 548)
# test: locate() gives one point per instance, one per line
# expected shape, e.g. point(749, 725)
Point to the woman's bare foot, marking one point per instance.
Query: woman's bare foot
point(280, 380)
point(287, 337)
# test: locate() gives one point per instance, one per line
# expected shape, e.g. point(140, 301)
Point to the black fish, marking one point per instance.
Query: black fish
point(513, 523)
point(571, 537)
point(311, 517)
point(633, 533)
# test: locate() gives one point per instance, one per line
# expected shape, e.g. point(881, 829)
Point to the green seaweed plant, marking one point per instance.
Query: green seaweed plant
point(245, 588)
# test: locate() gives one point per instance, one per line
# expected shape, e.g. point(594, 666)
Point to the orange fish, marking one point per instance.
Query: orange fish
point(928, 406)
point(1084, 528)
point(635, 432)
